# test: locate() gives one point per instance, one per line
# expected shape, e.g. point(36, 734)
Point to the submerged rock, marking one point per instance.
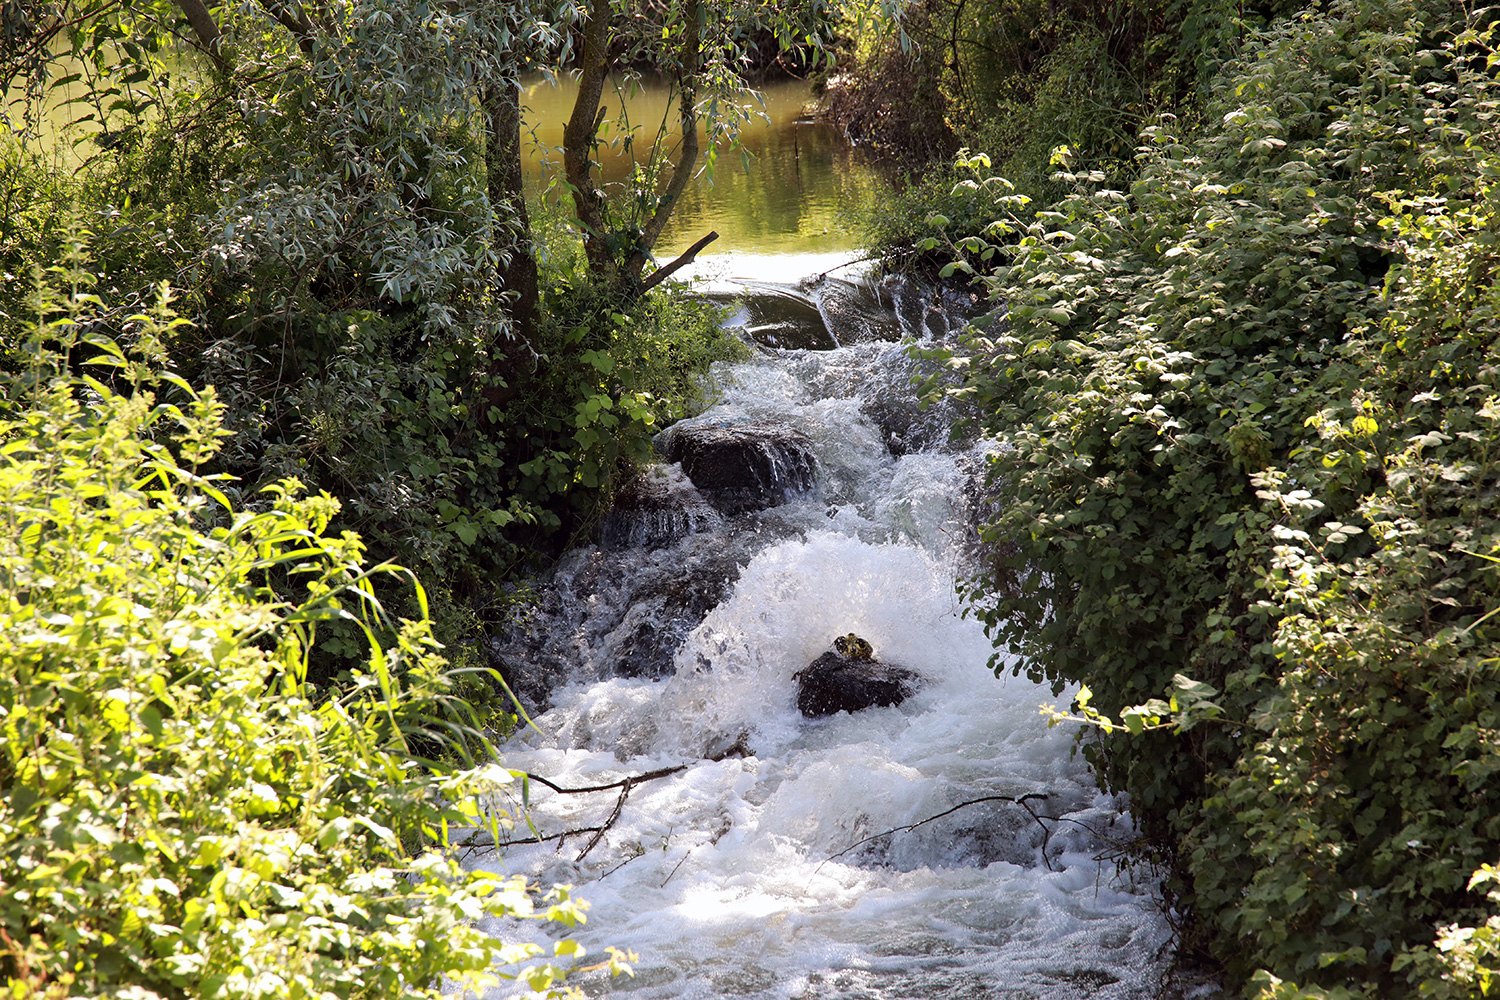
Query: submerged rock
point(742, 467)
point(657, 508)
point(854, 312)
point(778, 316)
point(835, 683)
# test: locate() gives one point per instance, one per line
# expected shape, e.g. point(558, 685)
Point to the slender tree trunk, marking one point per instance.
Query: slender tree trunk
point(688, 65)
point(502, 107)
point(516, 273)
point(616, 266)
point(207, 30)
point(294, 18)
point(580, 137)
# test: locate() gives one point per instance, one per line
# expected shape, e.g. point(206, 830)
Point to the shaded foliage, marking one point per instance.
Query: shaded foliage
point(1248, 398)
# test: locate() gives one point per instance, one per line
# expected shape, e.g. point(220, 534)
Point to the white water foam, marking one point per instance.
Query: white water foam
point(723, 878)
point(784, 873)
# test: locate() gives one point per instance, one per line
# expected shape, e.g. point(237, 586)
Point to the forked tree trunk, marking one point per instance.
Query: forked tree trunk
point(612, 264)
point(688, 65)
point(580, 136)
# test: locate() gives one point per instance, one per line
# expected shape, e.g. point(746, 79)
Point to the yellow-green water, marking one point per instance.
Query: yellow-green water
point(787, 187)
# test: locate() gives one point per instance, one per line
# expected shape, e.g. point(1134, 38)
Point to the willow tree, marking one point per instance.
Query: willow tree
point(700, 46)
point(336, 182)
point(355, 124)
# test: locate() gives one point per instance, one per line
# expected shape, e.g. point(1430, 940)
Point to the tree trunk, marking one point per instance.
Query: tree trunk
point(207, 30)
point(580, 137)
point(502, 154)
point(688, 65)
point(516, 273)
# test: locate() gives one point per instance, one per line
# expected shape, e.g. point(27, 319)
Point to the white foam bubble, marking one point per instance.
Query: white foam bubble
point(787, 873)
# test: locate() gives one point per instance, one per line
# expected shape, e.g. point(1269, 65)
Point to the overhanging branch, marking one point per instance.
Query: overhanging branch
point(663, 273)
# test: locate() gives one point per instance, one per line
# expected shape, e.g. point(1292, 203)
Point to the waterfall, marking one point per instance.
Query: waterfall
point(804, 864)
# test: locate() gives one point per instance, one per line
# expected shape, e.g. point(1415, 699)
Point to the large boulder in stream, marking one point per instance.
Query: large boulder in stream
point(742, 467)
point(657, 507)
point(837, 683)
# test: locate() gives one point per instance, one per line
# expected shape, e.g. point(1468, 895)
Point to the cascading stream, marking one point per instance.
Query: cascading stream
point(768, 873)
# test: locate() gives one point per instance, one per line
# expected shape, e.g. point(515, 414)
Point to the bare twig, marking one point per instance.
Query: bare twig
point(847, 263)
point(739, 748)
point(674, 870)
point(619, 805)
point(923, 822)
point(478, 840)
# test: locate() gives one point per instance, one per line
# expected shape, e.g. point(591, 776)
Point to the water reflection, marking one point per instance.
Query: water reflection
point(786, 189)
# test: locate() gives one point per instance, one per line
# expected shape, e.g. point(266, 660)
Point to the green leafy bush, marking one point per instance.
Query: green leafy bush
point(1021, 79)
point(181, 813)
point(1250, 405)
point(347, 267)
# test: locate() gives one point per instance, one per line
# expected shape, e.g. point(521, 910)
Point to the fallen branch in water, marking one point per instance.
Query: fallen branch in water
point(674, 869)
point(1021, 801)
point(478, 841)
point(739, 748)
point(857, 260)
point(634, 779)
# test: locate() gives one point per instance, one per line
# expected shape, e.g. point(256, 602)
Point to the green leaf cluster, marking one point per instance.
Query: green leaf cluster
point(1247, 398)
point(325, 198)
point(1023, 80)
point(181, 812)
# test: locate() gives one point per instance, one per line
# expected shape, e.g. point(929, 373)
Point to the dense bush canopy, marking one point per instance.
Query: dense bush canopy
point(1248, 392)
point(181, 813)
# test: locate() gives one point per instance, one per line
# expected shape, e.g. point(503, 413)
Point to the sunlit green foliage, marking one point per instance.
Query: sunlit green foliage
point(323, 191)
point(1250, 402)
point(181, 814)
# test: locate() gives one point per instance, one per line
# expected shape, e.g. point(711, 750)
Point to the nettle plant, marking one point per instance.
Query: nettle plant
point(182, 814)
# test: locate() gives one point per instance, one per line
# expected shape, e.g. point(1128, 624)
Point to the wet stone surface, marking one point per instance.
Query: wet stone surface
point(621, 613)
point(658, 507)
point(742, 466)
point(833, 683)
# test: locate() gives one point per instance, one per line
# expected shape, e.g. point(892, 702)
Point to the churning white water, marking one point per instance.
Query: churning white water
point(795, 867)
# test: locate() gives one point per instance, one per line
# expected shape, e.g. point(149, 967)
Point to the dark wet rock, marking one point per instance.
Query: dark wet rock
point(904, 426)
point(656, 508)
point(854, 312)
point(933, 310)
point(663, 612)
point(742, 467)
point(779, 316)
point(834, 683)
point(620, 612)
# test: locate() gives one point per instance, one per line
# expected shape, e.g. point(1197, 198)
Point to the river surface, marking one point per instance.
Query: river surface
point(787, 186)
point(805, 862)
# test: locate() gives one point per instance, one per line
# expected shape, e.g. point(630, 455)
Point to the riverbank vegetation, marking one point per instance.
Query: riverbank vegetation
point(275, 314)
point(1245, 379)
point(184, 813)
point(335, 195)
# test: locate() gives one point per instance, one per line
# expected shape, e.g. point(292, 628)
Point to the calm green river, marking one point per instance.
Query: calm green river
point(786, 189)
point(783, 189)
